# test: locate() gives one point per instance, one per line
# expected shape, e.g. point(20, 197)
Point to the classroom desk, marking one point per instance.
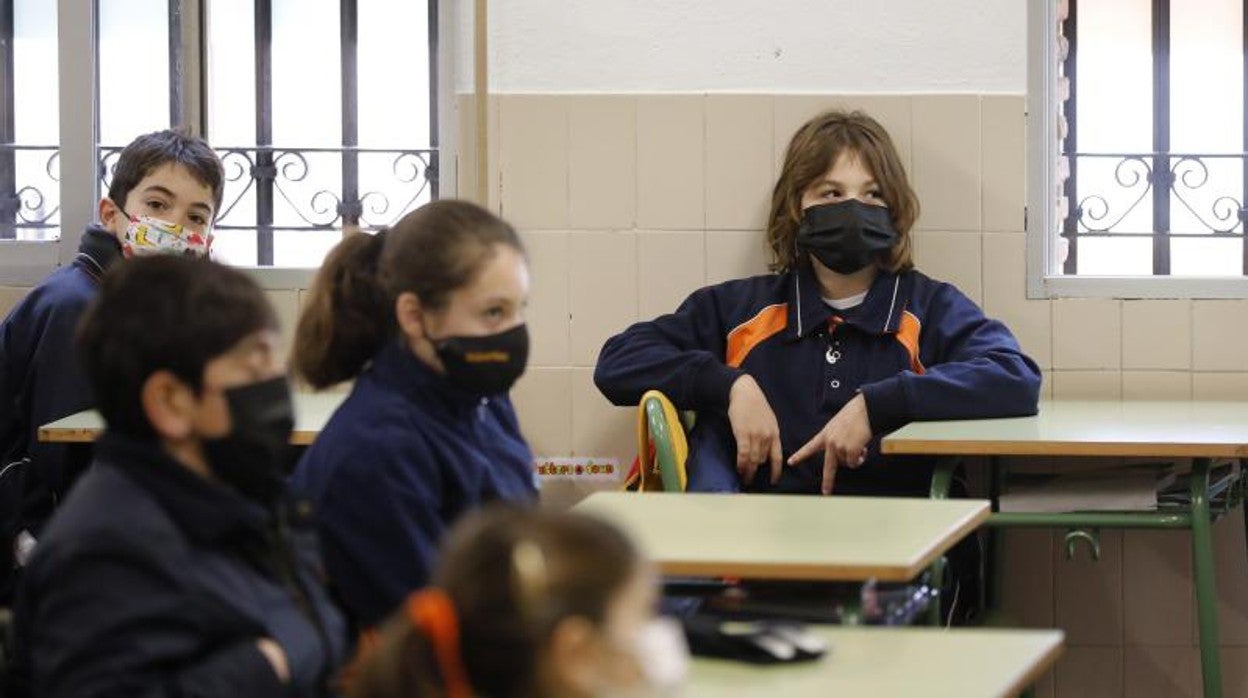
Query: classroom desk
point(312, 411)
point(780, 537)
point(1200, 430)
point(891, 663)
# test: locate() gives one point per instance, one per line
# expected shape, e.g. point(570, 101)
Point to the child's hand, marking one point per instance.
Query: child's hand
point(276, 656)
point(755, 429)
point(843, 441)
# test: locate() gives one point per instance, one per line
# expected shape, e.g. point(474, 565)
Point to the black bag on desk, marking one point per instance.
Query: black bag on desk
point(758, 642)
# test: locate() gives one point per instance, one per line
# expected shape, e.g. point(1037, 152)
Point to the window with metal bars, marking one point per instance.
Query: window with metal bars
point(29, 188)
point(1155, 138)
point(324, 112)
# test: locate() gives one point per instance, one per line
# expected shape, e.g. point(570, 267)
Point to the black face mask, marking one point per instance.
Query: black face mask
point(847, 235)
point(252, 458)
point(486, 365)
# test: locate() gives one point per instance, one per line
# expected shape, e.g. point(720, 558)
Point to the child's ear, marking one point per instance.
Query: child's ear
point(111, 215)
point(575, 660)
point(410, 314)
point(168, 404)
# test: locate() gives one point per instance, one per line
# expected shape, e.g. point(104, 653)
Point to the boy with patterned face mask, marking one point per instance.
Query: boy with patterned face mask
point(165, 191)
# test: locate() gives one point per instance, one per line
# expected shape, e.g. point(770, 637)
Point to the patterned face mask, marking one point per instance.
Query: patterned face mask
point(147, 236)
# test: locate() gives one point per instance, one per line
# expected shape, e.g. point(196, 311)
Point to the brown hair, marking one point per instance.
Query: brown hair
point(813, 150)
point(171, 146)
point(507, 604)
point(432, 251)
point(202, 310)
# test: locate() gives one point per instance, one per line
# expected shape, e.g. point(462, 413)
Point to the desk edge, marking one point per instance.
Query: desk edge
point(1036, 672)
point(964, 528)
point(952, 447)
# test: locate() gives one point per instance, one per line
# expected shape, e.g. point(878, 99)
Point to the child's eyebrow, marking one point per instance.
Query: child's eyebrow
point(165, 191)
point(833, 182)
point(157, 189)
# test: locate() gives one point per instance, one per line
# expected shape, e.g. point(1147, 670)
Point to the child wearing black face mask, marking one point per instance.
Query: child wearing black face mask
point(427, 318)
point(796, 375)
point(174, 566)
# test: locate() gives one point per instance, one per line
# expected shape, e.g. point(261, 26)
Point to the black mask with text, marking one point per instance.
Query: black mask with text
point(487, 365)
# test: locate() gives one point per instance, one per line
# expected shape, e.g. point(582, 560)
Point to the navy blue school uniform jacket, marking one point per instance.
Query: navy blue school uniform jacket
point(40, 382)
point(404, 456)
point(153, 581)
point(916, 348)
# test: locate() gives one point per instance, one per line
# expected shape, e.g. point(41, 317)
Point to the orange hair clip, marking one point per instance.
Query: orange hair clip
point(432, 612)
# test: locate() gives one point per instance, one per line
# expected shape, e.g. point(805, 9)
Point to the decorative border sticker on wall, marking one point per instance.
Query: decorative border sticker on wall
point(577, 468)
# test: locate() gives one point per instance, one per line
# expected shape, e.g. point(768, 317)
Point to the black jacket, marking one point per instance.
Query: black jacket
point(915, 348)
point(40, 382)
point(152, 581)
point(405, 456)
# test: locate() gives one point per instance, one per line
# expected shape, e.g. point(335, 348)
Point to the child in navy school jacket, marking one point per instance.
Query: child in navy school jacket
point(796, 375)
point(428, 318)
point(165, 190)
point(176, 566)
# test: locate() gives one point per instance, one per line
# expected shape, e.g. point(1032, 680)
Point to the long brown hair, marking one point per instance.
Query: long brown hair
point(813, 150)
point(432, 251)
point(511, 576)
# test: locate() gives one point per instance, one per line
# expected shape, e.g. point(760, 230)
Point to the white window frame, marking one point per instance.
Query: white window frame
point(1043, 279)
point(25, 263)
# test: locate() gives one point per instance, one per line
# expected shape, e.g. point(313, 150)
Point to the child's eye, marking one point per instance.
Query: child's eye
point(875, 194)
point(495, 313)
point(156, 205)
point(199, 219)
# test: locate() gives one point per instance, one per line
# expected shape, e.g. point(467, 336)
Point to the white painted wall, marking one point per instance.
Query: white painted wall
point(824, 46)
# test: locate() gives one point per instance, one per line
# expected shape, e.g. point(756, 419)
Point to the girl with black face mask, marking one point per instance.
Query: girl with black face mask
point(796, 375)
point(428, 319)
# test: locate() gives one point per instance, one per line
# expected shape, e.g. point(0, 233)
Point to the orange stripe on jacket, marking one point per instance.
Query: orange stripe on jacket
point(744, 337)
point(908, 335)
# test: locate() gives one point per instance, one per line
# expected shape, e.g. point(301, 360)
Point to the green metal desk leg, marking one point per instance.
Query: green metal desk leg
point(942, 478)
point(995, 567)
point(1206, 595)
point(1243, 493)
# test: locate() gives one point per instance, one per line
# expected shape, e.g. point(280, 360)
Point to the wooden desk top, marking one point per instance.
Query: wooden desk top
point(312, 411)
point(892, 662)
point(1152, 428)
point(797, 537)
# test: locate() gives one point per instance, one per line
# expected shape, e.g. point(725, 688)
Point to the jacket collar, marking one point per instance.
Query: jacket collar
point(98, 251)
point(396, 364)
point(880, 312)
point(207, 512)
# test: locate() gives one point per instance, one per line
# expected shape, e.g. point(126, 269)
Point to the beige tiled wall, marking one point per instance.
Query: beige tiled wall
point(628, 203)
point(286, 303)
point(9, 297)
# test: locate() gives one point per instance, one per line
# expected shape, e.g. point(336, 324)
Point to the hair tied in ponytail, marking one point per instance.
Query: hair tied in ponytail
point(433, 614)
